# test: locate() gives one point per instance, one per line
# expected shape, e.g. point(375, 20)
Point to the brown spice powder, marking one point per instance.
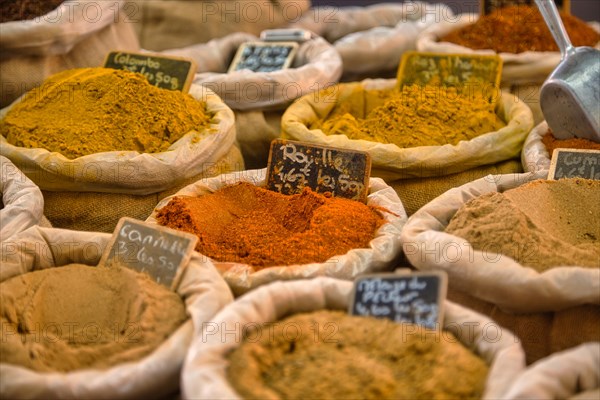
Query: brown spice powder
point(338, 356)
point(77, 316)
point(91, 110)
point(247, 224)
point(19, 10)
point(542, 224)
point(553, 143)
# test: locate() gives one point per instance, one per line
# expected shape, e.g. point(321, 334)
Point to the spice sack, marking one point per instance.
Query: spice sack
point(206, 368)
point(22, 203)
point(381, 254)
point(519, 253)
point(391, 161)
point(76, 34)
point(156, 374)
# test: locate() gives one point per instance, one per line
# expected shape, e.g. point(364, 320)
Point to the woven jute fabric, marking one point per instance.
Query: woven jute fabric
point(417, 192)
point(100, 212)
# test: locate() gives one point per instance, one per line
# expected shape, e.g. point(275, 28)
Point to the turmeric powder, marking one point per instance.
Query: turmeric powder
point(91, 110)
point(414, 116)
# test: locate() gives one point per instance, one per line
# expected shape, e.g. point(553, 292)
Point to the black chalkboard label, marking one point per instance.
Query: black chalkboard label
point(487, 6)
point(415, 297)
point(264, 57)
point(296, 165)
point(158, 251)
point(171, 73)
point(574, 163)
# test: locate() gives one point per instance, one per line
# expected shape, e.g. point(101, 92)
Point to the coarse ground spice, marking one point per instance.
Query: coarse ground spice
point(91, 110)
point(542, 224)
point(77, 316)
point(354, 357)
point(19, 10)
point(247, 224)
point(520, 28)
point(414, 116)
point(553, 143)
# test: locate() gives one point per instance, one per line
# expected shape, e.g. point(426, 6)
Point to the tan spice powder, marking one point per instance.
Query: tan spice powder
point(247, 224)
point(91, 110)
point(77, 316)
point(338, 356)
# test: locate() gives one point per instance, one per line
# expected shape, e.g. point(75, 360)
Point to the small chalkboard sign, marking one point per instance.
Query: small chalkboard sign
point(487, 6)
point(264, 57)
point(574, 163)
point(156, 250)
point(415, 297)
point(466, 72)
point(171, 73)
point(295, 165)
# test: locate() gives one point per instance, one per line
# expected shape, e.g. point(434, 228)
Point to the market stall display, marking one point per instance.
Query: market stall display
point(63, 299)
point(242, 258)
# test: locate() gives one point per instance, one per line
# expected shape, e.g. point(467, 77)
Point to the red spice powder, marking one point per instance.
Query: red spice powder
point(519, 28)
point(247, 224)
point(553, 143)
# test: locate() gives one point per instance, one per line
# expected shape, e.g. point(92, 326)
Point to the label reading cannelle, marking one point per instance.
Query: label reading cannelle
point(414, 297)
point(158, 251)
point(171, 73)
point(575, 163)
point(295, 165)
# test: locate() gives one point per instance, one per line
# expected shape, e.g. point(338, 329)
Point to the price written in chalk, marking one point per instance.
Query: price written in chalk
point(412, 298)
point(487, 6)
point(574, 163)
point(296, 165)
point(160, 252)
point(171, 73)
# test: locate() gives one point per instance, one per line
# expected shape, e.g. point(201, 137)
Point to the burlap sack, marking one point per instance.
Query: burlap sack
point(167, 24)
point(22, 201)
point(486, 275)
point(534, 155)
point(155, 375)
point(383, 251)
point(129, 171)
point(561, 376)
point(391, 162)
point(76, 34)
point(521, 68)
point(205, 369)
point(256, 130)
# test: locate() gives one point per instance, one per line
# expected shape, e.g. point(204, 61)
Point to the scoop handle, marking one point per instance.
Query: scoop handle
point(555, 24)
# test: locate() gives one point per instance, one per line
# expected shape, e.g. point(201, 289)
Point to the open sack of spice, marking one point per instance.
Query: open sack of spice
point(42, 38)
point(71, 330)
point(295, 340)
point(406, 131)
point(371, 40)
point(522, 243)
point(256, 236)
point(572, 374)
point(541, 143)
point(110, 131)
point(21, 203)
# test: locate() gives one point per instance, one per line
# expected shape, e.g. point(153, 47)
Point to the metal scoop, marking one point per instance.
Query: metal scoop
point(570, 97)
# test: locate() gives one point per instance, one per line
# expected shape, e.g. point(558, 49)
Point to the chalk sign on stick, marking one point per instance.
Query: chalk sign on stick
point(414, 297)
point(466, 72)
point(575, 163)
point(171, 73)
point(296, 165)
point(156, 250)
point(487, 6)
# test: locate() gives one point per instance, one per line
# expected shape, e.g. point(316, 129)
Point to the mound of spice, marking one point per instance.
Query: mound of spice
point(553, 143)
point(91, 110)
point(542, 224)
point(415, 116)
point(77, 316)
point(247, 224)
point(362, 358)
point(20, 10)
point(519, 28)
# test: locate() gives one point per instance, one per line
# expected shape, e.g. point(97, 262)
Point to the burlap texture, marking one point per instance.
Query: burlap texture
point(100, 212)
point(417, 192)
